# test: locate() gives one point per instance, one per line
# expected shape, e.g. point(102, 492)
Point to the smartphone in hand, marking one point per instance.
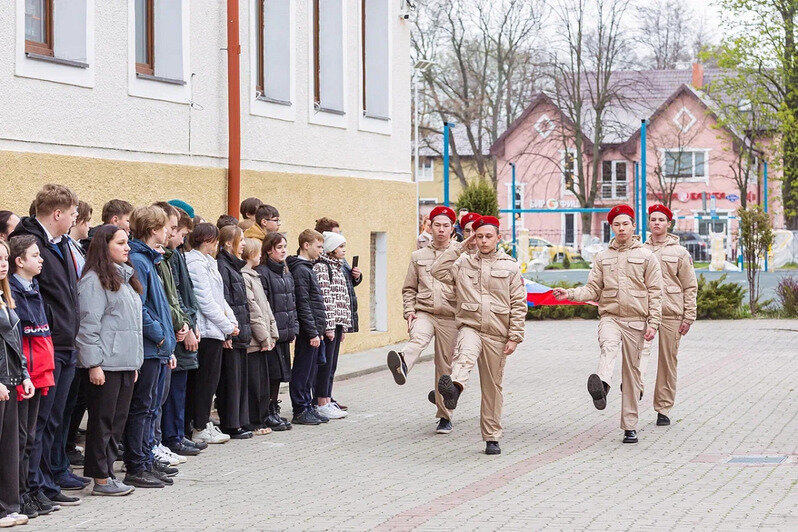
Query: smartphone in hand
point(355, 261)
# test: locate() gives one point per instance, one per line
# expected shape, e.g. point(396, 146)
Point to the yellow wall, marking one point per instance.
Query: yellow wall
point(359, 205)
point(434, 189)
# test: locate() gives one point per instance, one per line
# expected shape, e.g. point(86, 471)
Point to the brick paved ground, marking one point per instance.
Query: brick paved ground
point(563, 465)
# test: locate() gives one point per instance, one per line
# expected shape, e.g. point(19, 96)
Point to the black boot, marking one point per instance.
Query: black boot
point(598, 391)
point(274, 421)
point(431, 397)
point(492, 447)
point(449, 391)
point(663, 420)
point(630, 436)
point(396, 363)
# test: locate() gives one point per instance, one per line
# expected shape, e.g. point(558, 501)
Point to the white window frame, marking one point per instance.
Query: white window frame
point(720, 212)
point(381, 125)
point(576, 228)
point(316, 116)
point(68, 72)
point(694, 179)
point(614, 181)
point(563, 190)
point(153, 89)
point(259, 106)
point(425, 176)
point(521, 186)
point(605, 225)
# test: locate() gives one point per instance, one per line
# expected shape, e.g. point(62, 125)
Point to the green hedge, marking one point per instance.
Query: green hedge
point(719, 300)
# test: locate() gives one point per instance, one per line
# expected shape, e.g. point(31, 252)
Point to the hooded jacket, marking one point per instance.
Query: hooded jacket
point(491, 295)
point(111, 324)
point(255, 231)
point(13, 366)
point(335, 289)
point(156, 314)
point(186, 360)
point(679, 285)
point(264, 327)
point(58, 284)
point(626, 282)
point(170, 290)
point(37, 344)
point(215, 318)
point(235, 293)
point(279, 287)
point(310, 310)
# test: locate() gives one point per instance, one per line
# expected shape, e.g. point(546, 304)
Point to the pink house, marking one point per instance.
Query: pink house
point(687, 154)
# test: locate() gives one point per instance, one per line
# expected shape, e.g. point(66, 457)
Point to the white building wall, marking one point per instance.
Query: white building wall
point(103, 112)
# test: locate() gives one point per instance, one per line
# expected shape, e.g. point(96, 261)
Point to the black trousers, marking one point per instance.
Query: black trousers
point(79, 385)
point(326, 372)
point(231, 394)
point(206, 379)
point(108, 406)
point(303, 374)
point(9, 453)
point(257, 389)
point(28, 412)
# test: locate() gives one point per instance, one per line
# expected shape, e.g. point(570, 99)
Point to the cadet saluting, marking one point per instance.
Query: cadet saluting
point(679, 289)
point(491, 309)
point(627, 283)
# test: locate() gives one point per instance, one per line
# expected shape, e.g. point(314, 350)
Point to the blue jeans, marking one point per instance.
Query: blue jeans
point(52, 426)
point(138, 429)
point(303, 374)
point(174, 409)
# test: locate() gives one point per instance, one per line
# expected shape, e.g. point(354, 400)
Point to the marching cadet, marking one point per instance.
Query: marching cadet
point(679, 289)
point(627, 283)
point(491, 309)
point(429, 311)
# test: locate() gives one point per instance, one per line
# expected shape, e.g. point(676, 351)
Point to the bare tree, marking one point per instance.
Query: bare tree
point(673, 162)
point(666, 33)
point(486, 58)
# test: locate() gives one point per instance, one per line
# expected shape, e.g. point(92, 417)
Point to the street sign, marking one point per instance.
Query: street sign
point(732, 197)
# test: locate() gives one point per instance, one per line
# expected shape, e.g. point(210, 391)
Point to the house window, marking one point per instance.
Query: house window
point(707, 225)
point(613, 180)
point(569, 171)
point(685, 164)
point(569, 229)
point(328, 68)
point(274, 50)
point(606, 233)
point(39, 27)
point(516, 199)
point(426, 170)
point(145, 32)
point(375, 60)
point(378, 282)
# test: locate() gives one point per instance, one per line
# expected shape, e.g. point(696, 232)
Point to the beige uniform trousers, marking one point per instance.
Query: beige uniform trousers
point(488, 354)
point(665, 389)
point(625, 338)
point(444, 330)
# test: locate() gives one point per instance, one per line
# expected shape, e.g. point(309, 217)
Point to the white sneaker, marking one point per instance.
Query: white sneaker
point(159, 454)
point(331, 411)
point(209, 435)
point(219, 432)
point(18, 518)
point(172, 456)
point(7, 521)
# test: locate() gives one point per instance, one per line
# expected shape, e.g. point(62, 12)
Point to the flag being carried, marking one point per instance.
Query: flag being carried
point(541, 295)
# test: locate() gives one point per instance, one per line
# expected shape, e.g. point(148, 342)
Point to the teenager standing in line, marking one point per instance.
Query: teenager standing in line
point(267, 220)
point(110, 351)
point(248, 209)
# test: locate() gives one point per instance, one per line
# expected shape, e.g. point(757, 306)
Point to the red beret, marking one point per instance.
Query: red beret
point(486, 220)
point(620, 209)
point(659, 207)
point(445, 211)
point(470, 217)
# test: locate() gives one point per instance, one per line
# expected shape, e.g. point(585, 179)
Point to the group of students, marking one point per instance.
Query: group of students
point(470, 297)
point(143, 322)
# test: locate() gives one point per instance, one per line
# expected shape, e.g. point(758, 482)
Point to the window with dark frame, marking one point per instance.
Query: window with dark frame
point(145, 32)
point(260, 82)
point(316, 58)
point(39, 27)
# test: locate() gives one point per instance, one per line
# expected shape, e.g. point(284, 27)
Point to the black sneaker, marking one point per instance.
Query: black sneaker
point(201, 445)
point(182, 449)
point(306, 417)
point(321, 417)
point(492, 447)
point(444, 426)
point(29, 508)
point(238, 434)
point(630, 436)
point(663, 420)
point(165, 468)
point(431, 397)
point(160, 475)
point(43, 504)
point(449, 391)
point(598, 391)
point(143, 479)
point(396, 363)
point(76, 458)
point(65, 500)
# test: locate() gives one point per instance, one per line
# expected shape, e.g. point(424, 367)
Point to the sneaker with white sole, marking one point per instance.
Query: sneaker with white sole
point(219, 432)
point(172, 455)
point(7, 521)
point(208, 435)
point(331, 411)
point(158, 453)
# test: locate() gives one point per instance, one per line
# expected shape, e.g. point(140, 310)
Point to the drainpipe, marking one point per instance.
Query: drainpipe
point(233, 110)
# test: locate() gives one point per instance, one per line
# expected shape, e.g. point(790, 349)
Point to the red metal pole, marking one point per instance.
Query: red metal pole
point(233, 110)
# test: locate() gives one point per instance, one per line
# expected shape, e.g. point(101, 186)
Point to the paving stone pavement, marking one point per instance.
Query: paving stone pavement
point(563, 464)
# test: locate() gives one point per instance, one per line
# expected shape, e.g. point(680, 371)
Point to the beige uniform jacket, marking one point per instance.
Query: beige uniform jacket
point(491, 296)
point(679, 285)
point(626, 282)
point(421, 291)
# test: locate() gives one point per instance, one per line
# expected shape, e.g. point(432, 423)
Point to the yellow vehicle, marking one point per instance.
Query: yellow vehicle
point(556, 251)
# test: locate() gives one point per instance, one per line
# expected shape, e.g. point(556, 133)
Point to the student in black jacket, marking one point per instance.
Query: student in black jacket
point(279, 287)
point(56, 212)
point(311, 315)
point(232, 391)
